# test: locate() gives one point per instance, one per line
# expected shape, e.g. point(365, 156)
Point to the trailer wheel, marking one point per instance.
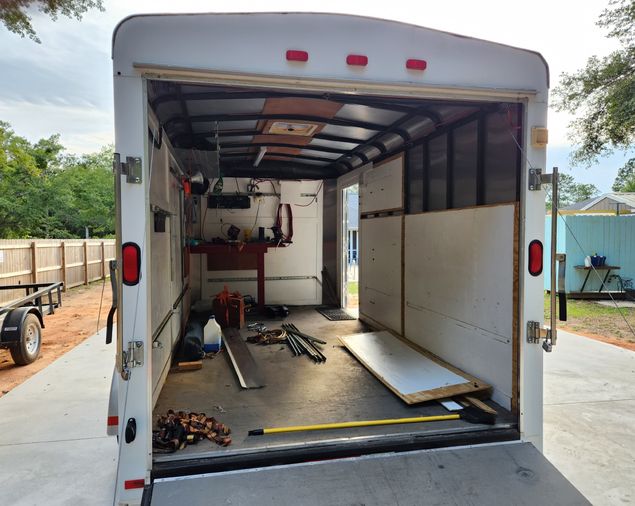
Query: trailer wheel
point(28, 349)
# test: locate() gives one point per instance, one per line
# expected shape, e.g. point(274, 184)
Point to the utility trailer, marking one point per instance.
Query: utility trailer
point(22, 320)
point(445, 137)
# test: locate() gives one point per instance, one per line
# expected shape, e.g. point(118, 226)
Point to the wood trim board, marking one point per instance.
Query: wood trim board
point(414, 376)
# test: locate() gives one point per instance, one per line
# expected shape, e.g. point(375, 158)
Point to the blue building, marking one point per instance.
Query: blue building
point(581, 235)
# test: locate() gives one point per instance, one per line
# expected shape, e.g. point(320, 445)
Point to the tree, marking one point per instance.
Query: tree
point(602, 94)
point(45, 193)
point(15, 13)
point(87, 183)
point(571, 192)
point(625, 180)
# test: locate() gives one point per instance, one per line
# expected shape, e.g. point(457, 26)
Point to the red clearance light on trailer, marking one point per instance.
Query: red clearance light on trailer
point(131, 263)
point(535, 257)
point(357, 59)
point(414, 64)
point(112, 420)
point(130, 484)
point(296, 55)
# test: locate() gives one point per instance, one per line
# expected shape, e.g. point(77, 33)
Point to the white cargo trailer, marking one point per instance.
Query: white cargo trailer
point(445, 137)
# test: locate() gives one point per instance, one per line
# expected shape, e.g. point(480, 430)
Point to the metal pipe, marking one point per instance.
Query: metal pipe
point(309, 342)
point(306, 336)
point(554, 239)
point(293, 345)
point(307, 349)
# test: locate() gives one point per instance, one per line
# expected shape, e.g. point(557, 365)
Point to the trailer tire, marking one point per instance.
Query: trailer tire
point(27, 349)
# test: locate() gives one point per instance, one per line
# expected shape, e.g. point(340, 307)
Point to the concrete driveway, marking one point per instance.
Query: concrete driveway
point(589, 417)
point(53, 444)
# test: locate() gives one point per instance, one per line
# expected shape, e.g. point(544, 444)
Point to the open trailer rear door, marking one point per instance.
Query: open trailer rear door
point(514, 473)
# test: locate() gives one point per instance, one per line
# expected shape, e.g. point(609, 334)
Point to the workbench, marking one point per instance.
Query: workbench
point(607, 268)
point(239, 256)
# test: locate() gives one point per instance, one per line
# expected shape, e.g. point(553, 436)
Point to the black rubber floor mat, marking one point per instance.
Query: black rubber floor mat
point(334, 314)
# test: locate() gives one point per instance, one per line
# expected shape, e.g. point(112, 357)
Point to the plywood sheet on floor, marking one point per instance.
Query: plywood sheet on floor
point(410, 374)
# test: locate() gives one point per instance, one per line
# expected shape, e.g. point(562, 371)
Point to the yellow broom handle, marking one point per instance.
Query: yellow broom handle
point(365, 423)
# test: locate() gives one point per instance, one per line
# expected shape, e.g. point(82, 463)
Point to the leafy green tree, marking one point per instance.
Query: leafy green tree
point(87, 185)
point(602, 94)
point(625, 180)
point(46, 194)
point(23, 184)
point(15, 13)
point(571, 192)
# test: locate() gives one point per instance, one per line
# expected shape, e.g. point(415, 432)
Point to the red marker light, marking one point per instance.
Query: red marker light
point(130, 484)
point(296, 55)
point(131, 264)
point(414, 64)
point(112, 420)
point(535, 257)
point(357, 59)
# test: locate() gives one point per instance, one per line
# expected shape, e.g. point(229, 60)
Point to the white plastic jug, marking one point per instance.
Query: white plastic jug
point(211, 336)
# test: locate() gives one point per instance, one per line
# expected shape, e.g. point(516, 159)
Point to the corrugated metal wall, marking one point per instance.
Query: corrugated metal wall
point(610, 236)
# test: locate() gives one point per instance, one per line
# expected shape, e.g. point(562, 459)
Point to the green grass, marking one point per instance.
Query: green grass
point(352, 287)
point(585, 316)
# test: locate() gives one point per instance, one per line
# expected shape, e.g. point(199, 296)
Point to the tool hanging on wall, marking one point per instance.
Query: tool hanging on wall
point(469, 414)
point(277, 228)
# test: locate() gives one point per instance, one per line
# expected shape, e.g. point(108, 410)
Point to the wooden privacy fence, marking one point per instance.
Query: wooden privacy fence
point(73, 261)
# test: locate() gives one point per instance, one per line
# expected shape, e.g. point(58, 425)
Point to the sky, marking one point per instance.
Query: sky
point(64, 85)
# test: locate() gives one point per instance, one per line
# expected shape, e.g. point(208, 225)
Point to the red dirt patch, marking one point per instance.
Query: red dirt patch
point(70, 325)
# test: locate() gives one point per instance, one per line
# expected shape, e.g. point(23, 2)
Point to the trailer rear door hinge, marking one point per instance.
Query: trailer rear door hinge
point(132, 168)
point(133, 357)
point(536, 332)
point(537, 179)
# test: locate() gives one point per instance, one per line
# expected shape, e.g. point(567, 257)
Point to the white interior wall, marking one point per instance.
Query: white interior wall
point(380, 244)
point(166, 281)
point(381, 186)
point(459, 267)
point(301, 260)
point(380, 271)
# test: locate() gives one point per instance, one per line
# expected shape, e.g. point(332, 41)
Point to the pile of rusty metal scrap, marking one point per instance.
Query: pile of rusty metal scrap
point(177, 430)
point(265, 336)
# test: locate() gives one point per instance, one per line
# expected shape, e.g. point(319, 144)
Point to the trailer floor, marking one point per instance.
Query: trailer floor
point(298, 392)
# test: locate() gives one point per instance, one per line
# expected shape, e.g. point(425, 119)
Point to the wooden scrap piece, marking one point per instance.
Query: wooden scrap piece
point(189, 366)
point(468, 399)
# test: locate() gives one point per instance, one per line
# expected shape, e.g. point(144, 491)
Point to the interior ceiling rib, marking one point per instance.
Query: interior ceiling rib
point(310, 135)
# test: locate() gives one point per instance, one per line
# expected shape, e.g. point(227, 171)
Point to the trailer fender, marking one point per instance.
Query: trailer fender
point(12, 325)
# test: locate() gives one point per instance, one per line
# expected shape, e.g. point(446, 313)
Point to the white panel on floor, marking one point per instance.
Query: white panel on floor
point(381, 187)
point(402, 367)
point(380, 271)
point(459, 290)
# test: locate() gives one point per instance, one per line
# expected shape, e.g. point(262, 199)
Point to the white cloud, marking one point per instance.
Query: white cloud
point(85, 129)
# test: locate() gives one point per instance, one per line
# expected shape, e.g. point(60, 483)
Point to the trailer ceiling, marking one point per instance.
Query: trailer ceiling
point(303, 135)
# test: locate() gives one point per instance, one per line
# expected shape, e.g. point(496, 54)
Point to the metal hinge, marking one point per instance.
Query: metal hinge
point(537, 179)
point(536, 332)
point(132, 168)
point(133, 357)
